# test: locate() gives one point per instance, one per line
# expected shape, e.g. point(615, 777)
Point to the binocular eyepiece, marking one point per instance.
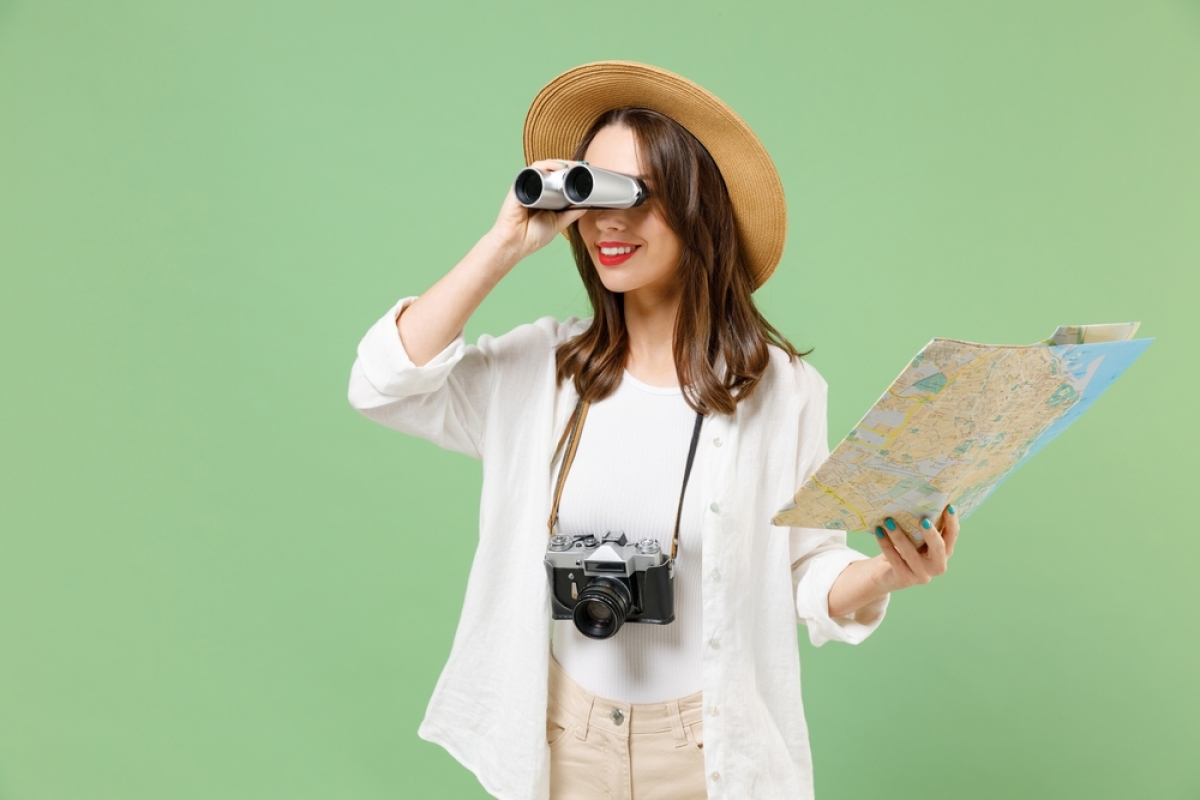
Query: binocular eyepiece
point(580, 186)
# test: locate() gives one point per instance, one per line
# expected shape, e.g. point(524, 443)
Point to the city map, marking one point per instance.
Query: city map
point(958, 421)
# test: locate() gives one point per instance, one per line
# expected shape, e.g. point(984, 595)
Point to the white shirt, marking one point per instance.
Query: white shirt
point(498, 401)
point(626, 478)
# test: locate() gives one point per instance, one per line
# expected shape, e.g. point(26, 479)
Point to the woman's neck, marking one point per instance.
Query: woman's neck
point(650, 323)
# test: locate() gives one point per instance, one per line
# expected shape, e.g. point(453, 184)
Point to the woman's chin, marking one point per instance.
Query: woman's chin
point(616, 287)
point(613, 281)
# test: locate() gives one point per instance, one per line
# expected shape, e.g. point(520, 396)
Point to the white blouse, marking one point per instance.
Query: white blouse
point(498, 401)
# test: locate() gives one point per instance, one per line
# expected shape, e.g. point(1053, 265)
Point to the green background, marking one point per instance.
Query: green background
point(218, 581)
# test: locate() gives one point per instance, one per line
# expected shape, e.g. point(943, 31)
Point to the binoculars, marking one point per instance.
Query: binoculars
point(579, 186)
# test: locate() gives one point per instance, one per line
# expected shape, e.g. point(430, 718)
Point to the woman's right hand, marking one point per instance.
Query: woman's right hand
point(527, 230)
point(436, 317)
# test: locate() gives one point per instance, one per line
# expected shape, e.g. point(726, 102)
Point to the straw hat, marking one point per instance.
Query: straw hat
point(566, 107)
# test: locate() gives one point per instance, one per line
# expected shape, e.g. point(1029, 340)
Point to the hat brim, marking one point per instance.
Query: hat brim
point(567, 107)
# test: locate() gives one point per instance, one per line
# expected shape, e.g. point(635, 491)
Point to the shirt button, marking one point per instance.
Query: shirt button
point(716, 776)
point(716, 574)
point(713, 710)
point(716, 509)
point(717, 442)
point(617, 716)
point(715, 644)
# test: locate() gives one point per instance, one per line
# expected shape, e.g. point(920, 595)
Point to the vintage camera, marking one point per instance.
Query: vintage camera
point(580, 186)
point(604, 583)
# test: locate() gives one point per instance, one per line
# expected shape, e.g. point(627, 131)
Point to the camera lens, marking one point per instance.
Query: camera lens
point(579, 184)
point(602, 608)
point(598, 614)
point(528, 186)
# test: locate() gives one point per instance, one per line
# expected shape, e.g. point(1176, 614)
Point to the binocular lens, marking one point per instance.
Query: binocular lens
point(528, 186)
point(579, 185)
point(602, 608)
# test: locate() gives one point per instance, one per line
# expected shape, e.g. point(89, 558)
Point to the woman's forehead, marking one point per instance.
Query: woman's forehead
point(615, 147)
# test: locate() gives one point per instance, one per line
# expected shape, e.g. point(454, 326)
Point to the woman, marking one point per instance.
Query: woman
point(708, 705)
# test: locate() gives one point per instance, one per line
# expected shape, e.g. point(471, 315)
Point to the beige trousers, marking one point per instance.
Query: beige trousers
point(607, 750)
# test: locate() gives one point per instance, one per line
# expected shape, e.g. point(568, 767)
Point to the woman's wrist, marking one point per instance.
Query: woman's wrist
point(860, 584)
point(500, 250)
point(882, 576)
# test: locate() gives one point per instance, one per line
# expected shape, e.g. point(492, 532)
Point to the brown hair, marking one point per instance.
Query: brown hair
point(718, 321)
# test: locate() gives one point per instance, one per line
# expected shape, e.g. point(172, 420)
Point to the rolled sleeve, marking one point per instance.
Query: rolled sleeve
point(444, 400)
point(812, 586)
point(388, 369)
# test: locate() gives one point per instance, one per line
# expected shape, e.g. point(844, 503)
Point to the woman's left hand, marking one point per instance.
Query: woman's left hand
point(908, 564)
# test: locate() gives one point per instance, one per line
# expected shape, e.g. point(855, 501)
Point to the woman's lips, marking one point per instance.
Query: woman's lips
point(616, 260)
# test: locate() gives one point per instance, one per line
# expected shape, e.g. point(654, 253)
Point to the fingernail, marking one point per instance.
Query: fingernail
point(951, 509)
point(891, 525)
point(925, 524)
point(879, 532)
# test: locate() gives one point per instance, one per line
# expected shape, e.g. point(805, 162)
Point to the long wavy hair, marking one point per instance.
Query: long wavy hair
point(721, 340)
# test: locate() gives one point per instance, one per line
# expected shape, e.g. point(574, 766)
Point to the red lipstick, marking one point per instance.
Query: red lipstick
point(618, 258)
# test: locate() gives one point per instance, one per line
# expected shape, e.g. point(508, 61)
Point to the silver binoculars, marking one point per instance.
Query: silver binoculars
point(579, 186)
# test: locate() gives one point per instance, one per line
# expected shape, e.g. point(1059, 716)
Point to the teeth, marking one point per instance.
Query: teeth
point(616, 251)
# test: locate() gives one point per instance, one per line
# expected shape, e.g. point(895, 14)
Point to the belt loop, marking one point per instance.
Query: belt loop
point(677, 724)
point(585, 723)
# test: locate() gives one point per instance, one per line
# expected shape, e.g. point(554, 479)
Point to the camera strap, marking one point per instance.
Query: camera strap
point(571, 437)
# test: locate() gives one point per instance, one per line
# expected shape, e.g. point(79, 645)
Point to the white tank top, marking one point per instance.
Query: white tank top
point(626, 477)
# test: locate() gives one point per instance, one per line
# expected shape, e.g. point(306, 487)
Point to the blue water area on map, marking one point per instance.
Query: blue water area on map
point(1113, 357)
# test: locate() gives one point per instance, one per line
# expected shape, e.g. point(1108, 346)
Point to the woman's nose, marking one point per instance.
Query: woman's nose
point(610, 218)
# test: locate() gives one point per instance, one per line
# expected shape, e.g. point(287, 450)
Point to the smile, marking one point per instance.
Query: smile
point(613, 256)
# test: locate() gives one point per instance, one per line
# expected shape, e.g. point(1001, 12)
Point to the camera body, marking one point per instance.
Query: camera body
point(602, 583)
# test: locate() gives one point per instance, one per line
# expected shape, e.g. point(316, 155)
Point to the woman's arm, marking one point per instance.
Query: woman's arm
point(414, 373)
point(900, 565)
point(438, 316)
point(434, 319)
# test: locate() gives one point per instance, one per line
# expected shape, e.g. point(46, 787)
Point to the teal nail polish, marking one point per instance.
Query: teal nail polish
point(879, 532)
point(925, 524)
point(891, 525)
point(951, 509)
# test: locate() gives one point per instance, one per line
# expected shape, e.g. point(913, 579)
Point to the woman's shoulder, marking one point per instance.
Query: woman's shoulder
point(795, 372)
